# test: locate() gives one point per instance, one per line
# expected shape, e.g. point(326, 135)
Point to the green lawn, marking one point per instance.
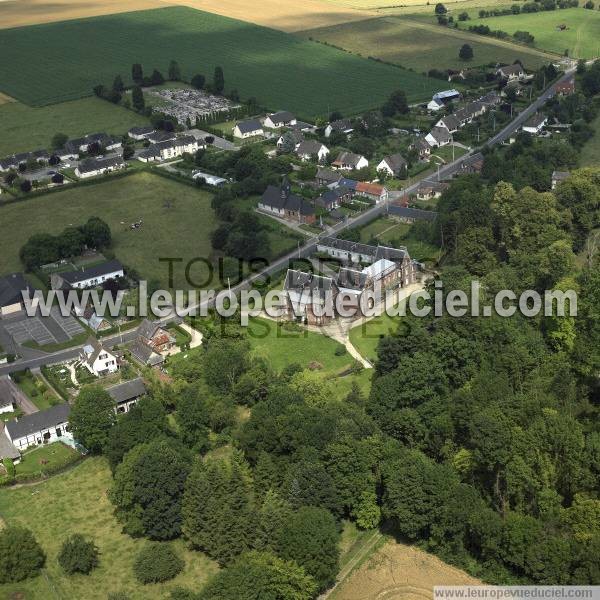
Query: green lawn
point(76, 502)
point(581, 38)
point(365, 337)
point(43, 457)
point(420, 46)
point(37, 391)
point(25, 128)
point(590, 154)
point(181, 231)
point(54, 62)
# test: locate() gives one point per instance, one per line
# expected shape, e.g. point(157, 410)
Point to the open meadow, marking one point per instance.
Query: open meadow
point(421, 46)
point(45, 64)
point(77, 502)
point(581, 38)
point(26, 128)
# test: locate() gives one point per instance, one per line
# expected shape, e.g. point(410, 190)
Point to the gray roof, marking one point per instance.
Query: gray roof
point(144, 353)
point(11, 287)
point(92, 272)
point(162, 136)
point(341, 125)
point(560, 175)
point(396, 162)
point(328, 175)
point(43, 419)
point(300, 281)
point(147, 328)
point(283, 116)
point(413, 213)
point(512, 69)
point(249, 126)
point(351, 279)
point(7, 450)
point(374, 252)
point(8, 391)
point(309, 147)
point(277, 198)
point(127, 391)
point(536, 120)
point(348, 158)
point(95, 164)
point(441, 134)
point(142, 130)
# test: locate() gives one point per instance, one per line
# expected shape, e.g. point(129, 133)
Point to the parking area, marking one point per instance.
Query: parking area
point(42, 330)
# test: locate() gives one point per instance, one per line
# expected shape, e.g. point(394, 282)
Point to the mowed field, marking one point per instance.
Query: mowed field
point(422, 46)
point(44, 64)
point(26, 128)
point(581, 38)
point(77, 502)
point(182, 230)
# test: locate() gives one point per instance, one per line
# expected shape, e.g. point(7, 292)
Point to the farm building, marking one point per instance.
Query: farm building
point(97, 359)
point(170, 149)
point(127, 394)
point(348, 161)
point(311, 148)
point(92, 167)
point(441, 99)
point(42, 427)
point(280, 119)
point(246, 129)
point(90, 277)
point(209, 179)
point(140, 133)
point(535, 124)
point(394, 165)
point(11, 293)
point(282, 203)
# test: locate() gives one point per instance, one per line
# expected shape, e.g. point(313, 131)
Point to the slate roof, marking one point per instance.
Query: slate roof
point(147, 329)
point(161, 136)
point(144, 353)
point(7, 450)
point(283, 116)
point(35, 422)
point(128, 390)
point(511, 69)
point(8, 391)
point(441, 134)
point(11, 287)
point(95, 164)
point(396, 162)
point(351, 279)
point(145, 130)
point(375, 252)
point(309, 147)
point(413, 213)
point(341, 125)
point(274, 197)
point(92, 272)
point(348, 158)
point(301, 282)
point(249, 126)
point(295, 134)
point(536, 121)
point(450, 122)
point(327, 175)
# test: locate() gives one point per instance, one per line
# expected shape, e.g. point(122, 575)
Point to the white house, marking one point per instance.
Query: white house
point(347, 161)
point(393, 165)
point(92, 167)
point(249, 128)
point(126, 394)
point(535, 124)
point(283, 118)
point(97, 359)
point(170, 149)
point(449, 122)
point(91, 277)
point(309, 148)
point(511, 72)
point(341, 125)
point(296, 136)
point(438, 137)
point(42, 427)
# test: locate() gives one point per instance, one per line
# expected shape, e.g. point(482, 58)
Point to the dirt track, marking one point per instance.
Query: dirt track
point(398, 571)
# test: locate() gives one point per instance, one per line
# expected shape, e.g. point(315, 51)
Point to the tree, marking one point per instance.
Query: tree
point(71, 242)
point(92, 417)
point(40, 249)
point(25, 185)
point(137, 98)
point(396, 103)
point(59, 140)
point(96, 233)
point(20, 555)
point(440, 9)
point(174, 72)
point(128, 151)
point(156, 78)
point(137, 73)
point(465, 52)
point(157, 562)
point(78, 555)
point(148, 487)
point(311, 537)
point(58, 178)
point(118, 85)
point(224, 362)
point(198, 81)
point(218, 80)
point(261, 575)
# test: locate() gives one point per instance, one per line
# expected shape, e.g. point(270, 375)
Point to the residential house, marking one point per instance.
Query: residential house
point(90, 277)
point(144, 354)
point(558, 177)
point(9, 395)
point(282, 203)
point(438, 137)
point(411, 215)
point(511, 72)
point(91, 319)
point(309, 297)
point(333, 198)
point(247, 129)
point(472, 164)
point(295, 135)
point(373, 191)
point(280, 119)
point(428, 190)
point(327, 177)
point(42, 427)
point(566, 87)
point(92, 167)
point(102, 140)
point(156, 336)
point(161, 136)
point(422, 147)
point(309, 149)
point(16, 160)
point(97, 359)
point(394, 165)
point(491, 99)
point(11, 293)
point(535, 124)
point(170, 149)
point(348, 161)
point(127, 394)
point(140, 133)
point(441, 99)
point(449, 122)
point(340, 126)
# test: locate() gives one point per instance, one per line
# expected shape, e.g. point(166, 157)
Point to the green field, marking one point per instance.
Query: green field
point(581, 38)
point(49, 63)
point(25, 128)
point(420, 45)
point(590, 154)
point(77, 502)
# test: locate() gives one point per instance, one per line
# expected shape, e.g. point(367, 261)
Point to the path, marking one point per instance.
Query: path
point(194, 333)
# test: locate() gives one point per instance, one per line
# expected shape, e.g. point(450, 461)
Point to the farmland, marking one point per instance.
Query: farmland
point(411, 6)
point(581, 36)
point(393, 39)
point(25, 128)
point(77, 502)
point(281, 70)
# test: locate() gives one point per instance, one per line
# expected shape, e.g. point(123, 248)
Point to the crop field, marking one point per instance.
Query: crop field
point(25, 128)
point(581, 37)
point(44, 64)
point(394, 39)
point(411, 6)
point(76, 502)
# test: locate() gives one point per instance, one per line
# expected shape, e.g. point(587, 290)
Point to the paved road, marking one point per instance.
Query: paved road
point(445, 172)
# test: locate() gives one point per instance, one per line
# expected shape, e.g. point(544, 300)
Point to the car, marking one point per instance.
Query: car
point(51, 173)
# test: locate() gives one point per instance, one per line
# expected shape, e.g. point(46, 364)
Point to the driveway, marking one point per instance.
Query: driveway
point(219, 142)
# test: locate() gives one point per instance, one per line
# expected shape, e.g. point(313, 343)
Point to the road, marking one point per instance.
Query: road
point(445, 172)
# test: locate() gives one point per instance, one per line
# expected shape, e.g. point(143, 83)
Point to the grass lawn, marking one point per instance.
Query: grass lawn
point(76, 502)
point(27, 382)
point(54, 62)
point(25, 128)
point(581, 38)
point(43, 457)
point(590, 154)
point(365, 337)
point(414, 45)
point(182, 231)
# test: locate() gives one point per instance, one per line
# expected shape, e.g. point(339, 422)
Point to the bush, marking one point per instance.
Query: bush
point(340, 350)
point(20, 555)
point(78, 555)
point(156, 563)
